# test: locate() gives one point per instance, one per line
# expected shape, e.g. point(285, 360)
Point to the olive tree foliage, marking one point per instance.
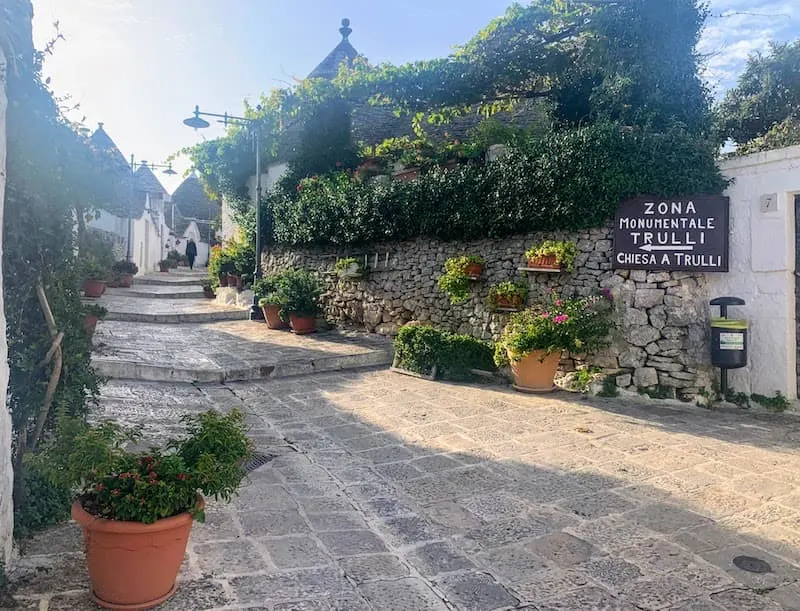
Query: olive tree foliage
point(628, 61)
point(766, 100)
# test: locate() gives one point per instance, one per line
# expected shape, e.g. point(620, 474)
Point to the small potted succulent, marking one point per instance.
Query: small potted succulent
point(271, 300)
point(458, 273)
point(136, 507)
point(93, 314)
point(534, 339)
point(164, 265)
point(508, 296)
point(124, 271)
point(349, 268)
point(301, 291)
point(96, 276)
point(552, 254)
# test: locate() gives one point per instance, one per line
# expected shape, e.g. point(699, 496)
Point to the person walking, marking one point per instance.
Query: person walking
point(191, 252)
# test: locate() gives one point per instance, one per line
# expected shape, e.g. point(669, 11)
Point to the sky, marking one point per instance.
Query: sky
point(140, 66)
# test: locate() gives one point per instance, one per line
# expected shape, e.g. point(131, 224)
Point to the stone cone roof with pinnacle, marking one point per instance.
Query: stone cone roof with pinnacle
point(121, 201)
point(344, 52)
point(191, 203)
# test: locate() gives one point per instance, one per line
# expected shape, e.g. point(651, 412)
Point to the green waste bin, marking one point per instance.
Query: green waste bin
point(728, 343)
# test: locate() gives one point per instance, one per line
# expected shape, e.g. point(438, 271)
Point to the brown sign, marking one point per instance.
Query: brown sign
point(689, 234)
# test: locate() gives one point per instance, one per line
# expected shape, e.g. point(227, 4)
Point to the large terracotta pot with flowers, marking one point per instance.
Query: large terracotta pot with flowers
point(136, 509)
point(533, 340)
point(300, 291)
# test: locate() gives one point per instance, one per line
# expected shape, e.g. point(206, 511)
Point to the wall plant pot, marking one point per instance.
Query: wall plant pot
point(536, 371)
point(94, 288)
point(133, 565)
point(90, 324)
point(272, 316)
point(505, 303)
point(474, 270)
point(550, 262)
point(223, 280)
point(302, 324)
point(125, 281)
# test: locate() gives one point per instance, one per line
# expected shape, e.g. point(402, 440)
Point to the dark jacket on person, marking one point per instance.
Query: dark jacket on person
point(191, 250)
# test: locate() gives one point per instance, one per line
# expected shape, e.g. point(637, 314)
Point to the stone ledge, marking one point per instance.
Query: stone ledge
point(131, 370)
point(189, 317)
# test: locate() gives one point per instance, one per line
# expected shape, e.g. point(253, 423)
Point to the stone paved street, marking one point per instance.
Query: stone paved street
point(388, 492)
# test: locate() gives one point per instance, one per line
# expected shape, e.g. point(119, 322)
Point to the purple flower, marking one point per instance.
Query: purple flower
point(607, 294)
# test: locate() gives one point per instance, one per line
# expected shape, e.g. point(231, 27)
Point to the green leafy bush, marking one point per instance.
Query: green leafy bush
point(419, 348)
point(566, 180)
point(456, 281)
point(579, 325)
point(268, 290)
point(117, 484)
point(300, 291)
point(125, 267)
point(45, 503)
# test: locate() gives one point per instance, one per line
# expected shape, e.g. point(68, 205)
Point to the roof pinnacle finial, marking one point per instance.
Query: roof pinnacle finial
point(100, 125)
point(345, 30)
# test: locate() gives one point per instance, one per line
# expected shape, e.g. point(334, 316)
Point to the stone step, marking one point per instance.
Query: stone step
point(228, 351)
point(124, 306)
point(178, 318)
point(171, 279)
point(165, 292)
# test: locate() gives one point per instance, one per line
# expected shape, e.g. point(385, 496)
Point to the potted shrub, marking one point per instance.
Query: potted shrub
point(124, 272)
point(534, 339)
point(208, 290)
point(458, 273)
point(349, 268)
point(94, 284)
point(93, 314)
point(301, 291)
point(136, 507)
point(164, 265)
point(508, 296)
point(552, 254)
point(271, 300)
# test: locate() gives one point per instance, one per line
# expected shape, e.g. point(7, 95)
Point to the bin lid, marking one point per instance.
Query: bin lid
point(727, 323)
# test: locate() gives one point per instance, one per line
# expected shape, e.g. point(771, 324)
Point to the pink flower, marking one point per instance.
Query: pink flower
point(546, 315)
point(561, 318)
point(559, 303)
point(338, 164)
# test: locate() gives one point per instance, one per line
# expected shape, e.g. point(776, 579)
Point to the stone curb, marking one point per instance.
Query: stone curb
point(194, 317)
point(131, 370)
point(165, 282)
point(153, 295)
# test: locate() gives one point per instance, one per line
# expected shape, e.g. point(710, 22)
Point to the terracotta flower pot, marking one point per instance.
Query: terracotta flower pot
point(208, 292)
point(474, 270)
point(90, 323)
point(239, 283)
point(272, 316)
point(302, 323)
point(223, 280)
point(233, 281)
point(125, 281)
point(94, 288)
point(514, 303)
point(544, 262)
point(133, 565)
point(536, 371)
point(163, 267)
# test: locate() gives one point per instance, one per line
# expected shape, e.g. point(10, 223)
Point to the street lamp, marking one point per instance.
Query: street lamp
point(153, 166)
point(197, 122)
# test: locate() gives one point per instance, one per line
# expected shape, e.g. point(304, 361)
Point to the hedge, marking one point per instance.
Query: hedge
point(567, 180)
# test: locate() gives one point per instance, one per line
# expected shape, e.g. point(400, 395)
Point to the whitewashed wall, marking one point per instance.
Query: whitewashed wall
point(762, 266)
point(193, 232)
point(6, 471)
point(229, 229)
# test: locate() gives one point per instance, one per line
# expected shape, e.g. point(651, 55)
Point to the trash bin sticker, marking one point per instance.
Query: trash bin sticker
point(731, 341)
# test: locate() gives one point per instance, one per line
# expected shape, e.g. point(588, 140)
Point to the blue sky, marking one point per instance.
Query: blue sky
point(140, 66)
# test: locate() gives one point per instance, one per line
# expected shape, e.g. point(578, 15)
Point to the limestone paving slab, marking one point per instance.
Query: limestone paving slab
point(227, 351)
point(325, 526)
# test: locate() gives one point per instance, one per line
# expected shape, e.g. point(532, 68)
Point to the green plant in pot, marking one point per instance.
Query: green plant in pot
point(552, 254)
point(136, 507)
point(124, 271)
point(458, 273)
point(301, 291)
point(534, 339)
point(349, 268)
point(508, 295)
point(164, 265)
point(93, 314)
point(95, 278)
point(271, 301)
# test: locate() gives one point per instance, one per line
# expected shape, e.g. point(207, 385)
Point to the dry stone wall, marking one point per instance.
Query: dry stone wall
point(661, 338)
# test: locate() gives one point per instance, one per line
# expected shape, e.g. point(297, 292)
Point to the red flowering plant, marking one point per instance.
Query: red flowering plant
point(580, 325)
point(115, 483)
